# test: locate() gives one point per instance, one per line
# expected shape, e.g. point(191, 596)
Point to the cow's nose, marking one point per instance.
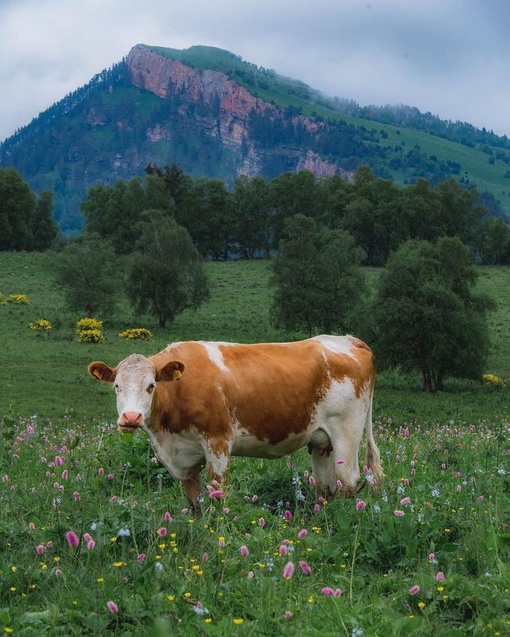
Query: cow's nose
point(131, 418)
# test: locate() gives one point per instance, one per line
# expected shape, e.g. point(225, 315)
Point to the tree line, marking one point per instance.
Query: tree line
point(248, 220)
point(148, 237)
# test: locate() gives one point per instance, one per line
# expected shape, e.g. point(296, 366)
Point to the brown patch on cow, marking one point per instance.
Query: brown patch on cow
point(274, 387)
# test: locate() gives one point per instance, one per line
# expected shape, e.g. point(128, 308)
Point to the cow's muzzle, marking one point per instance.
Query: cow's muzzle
point(129, 421)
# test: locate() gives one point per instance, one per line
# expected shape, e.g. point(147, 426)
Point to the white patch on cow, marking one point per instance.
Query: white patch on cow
point(180, 453)
point(214, 353)
point(336, 344)
point(218, 463)
point(135, 375)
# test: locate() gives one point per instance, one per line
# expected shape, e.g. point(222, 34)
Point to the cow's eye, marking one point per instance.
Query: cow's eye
point(151, 388)
point(117, 388)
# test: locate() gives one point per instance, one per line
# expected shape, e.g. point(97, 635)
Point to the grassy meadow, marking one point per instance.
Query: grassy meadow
point(96, 539)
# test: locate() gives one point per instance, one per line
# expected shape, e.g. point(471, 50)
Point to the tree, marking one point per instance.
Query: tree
point(166, 275)
point(87, 271)
point(17, 206)
point(317, 278)
point(292, 194)
point(492, 242)
point(44, 229)
point(206, 213)
point(252, 211)
point(425, 315)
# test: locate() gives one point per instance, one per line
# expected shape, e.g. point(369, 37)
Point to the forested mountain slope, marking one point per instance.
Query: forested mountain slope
point(215, 115)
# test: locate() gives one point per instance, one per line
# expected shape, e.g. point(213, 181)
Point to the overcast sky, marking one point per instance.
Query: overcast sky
point(449, 57)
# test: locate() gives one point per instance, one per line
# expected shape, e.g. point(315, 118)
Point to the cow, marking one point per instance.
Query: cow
point(203, 402)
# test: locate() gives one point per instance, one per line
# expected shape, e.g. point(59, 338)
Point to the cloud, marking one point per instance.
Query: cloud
point(445, 57)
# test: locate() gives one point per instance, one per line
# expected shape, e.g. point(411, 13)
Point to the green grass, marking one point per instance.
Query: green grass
point(66, 469)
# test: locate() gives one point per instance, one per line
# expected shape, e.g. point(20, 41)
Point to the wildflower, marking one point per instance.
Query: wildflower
point(288, 614)
point(414, 589)
point(288, 570)
point(112, 607)
point(439, 576)
point(244, 551)
point(405, 501)
point(283, 550)
point(216, 494)
point(200, 609)
point(72, 539)
point(330, 592)
point(251, 575)
point(302, 534)
point(398, 513)
point(221, 542)
point(39, 549)
point(262, 522)
point(305, 568)
point(238, 621)
point(90, 545)
point(167, 517)
point(140, 557)
point(162, 531)
point(360, 505)
point(421, 605)
point(287, 515)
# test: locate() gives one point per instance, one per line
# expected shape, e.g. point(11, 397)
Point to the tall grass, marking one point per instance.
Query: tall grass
point(96, 539)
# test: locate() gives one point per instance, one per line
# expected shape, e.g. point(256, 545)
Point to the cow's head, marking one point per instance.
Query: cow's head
point(134, 380)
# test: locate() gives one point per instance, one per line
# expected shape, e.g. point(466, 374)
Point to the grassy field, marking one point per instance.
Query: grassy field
point(95, 537)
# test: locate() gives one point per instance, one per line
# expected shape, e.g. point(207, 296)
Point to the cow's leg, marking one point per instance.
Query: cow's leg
point(218, 459)
point(192, 488)
point(341, 465)
point(323, 473)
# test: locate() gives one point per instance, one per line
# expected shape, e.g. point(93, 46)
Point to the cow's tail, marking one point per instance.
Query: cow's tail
point(373, 457)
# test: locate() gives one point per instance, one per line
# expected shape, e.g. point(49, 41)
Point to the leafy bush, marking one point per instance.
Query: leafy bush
point(18, 299)
point(137, 333)
point(41, 325)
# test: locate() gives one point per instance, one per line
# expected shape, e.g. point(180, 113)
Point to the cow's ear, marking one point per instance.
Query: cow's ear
point(171, 371)
point(101, 371)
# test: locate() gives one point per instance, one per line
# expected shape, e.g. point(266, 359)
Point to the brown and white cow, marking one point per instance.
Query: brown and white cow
point(203, 402)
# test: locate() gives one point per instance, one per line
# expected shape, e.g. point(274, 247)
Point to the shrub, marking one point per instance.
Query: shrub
point(18, 299)
point(137, 333)
point(91, 336)
point(86, 324)
point(89, 330)
point(41, 325)
point(492, 380)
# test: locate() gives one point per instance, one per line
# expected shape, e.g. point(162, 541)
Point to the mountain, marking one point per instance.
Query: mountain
point(218, 116)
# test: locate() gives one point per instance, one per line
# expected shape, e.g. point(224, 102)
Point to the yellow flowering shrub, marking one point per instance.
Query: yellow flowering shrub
point(90, 330)
point(137, 334)
point(91, 336)
point(492, 380)
point(41, 325)
point(86, 324)
point(18, 299)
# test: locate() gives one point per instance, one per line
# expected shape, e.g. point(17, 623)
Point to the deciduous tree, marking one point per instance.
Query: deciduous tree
point(425, 315)
point(166, 275)
point(317, 279)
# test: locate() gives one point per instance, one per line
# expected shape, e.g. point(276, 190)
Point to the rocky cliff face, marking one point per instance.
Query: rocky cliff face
point(229, 109)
